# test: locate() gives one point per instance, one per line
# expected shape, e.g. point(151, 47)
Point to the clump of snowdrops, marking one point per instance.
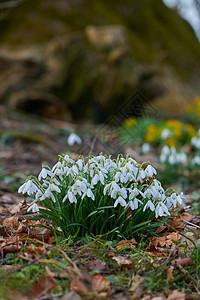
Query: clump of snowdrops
point(99, 195)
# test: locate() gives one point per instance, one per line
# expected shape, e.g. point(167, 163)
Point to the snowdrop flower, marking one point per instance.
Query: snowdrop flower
point(70, 195)
point(28, 187)
point(89, 193)
point(172, 159)
point(195, 142)
point(44, 173)
point(34, 207)
point(75, 169)
point(120, 201)
point(95, 180)
point(135, 203)
point(73, 139)
point(145, 148)
point(133, 193)
point(196, 160)
point(80, 186)
point(150, 171)
point(68, 159)
point(161, 210)
point(150, 205)
point(165, 133)
point(148, 193)
point(142, 174)
point(115, 190)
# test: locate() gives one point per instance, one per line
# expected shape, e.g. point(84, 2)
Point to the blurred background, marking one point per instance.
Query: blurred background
point(85, 76)
point(78, 60)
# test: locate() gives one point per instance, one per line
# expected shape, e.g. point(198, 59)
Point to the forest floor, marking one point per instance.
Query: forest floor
point(36, 264)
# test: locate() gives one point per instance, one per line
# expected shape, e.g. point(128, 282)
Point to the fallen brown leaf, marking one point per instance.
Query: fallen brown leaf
point(137, 286)
point(11, 222)
point(98, 264)
point(126, 243)
point(100, 283)
point(166, 241)
point(187, 261)
point(71, 296)
point(42, 286)
point(170, 273)
point(124, 262)
point(176, 295)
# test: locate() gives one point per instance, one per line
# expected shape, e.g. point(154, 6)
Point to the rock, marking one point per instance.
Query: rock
point(87, 57)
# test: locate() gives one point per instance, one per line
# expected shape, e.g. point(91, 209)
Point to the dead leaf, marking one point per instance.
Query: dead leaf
point(187, 261)
point(177, 223)
point(100, 283)
point(11, 222)
point(166, 241)
point(42, 286)
point(81, 283)
point(137, 286)
point(126, 243)
point(71, 296)
point(124, 262)
point(176, 295)
point(98, 264)
point(17, 208)
point(170, 273)
point(186, 216)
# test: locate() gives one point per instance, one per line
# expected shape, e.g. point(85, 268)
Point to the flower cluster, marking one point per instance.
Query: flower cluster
point(172, 156)
point(171, 133)
point(122, 182)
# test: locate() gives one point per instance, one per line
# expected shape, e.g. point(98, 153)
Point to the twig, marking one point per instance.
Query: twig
point(186, 273)
point(192, 224)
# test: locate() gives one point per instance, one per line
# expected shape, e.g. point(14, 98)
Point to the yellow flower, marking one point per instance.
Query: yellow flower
point(171, 142)
point(175, 124)
point(130, 122)
point(152, 133)
point(190, 129)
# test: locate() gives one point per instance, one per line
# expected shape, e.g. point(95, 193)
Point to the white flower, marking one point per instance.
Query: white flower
point(89, 193)
point(172, 159)
point(44, 173)
point(71, 197)
point(115, 189)
point(195, 142)
point(142, 174)
point(161, 210)
point(133, 193)
point(134, 204)
point(80, 164)
point(73, 139)
point(145, 148)
point(80, 186)
point(28, 187)
point(34, 207)
point(120, 201)
point(150, 171)
point(196, 160)
point(120, 177)
point(148, 193)
point(150, 205)
point(165, 133)
point(68, 159)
